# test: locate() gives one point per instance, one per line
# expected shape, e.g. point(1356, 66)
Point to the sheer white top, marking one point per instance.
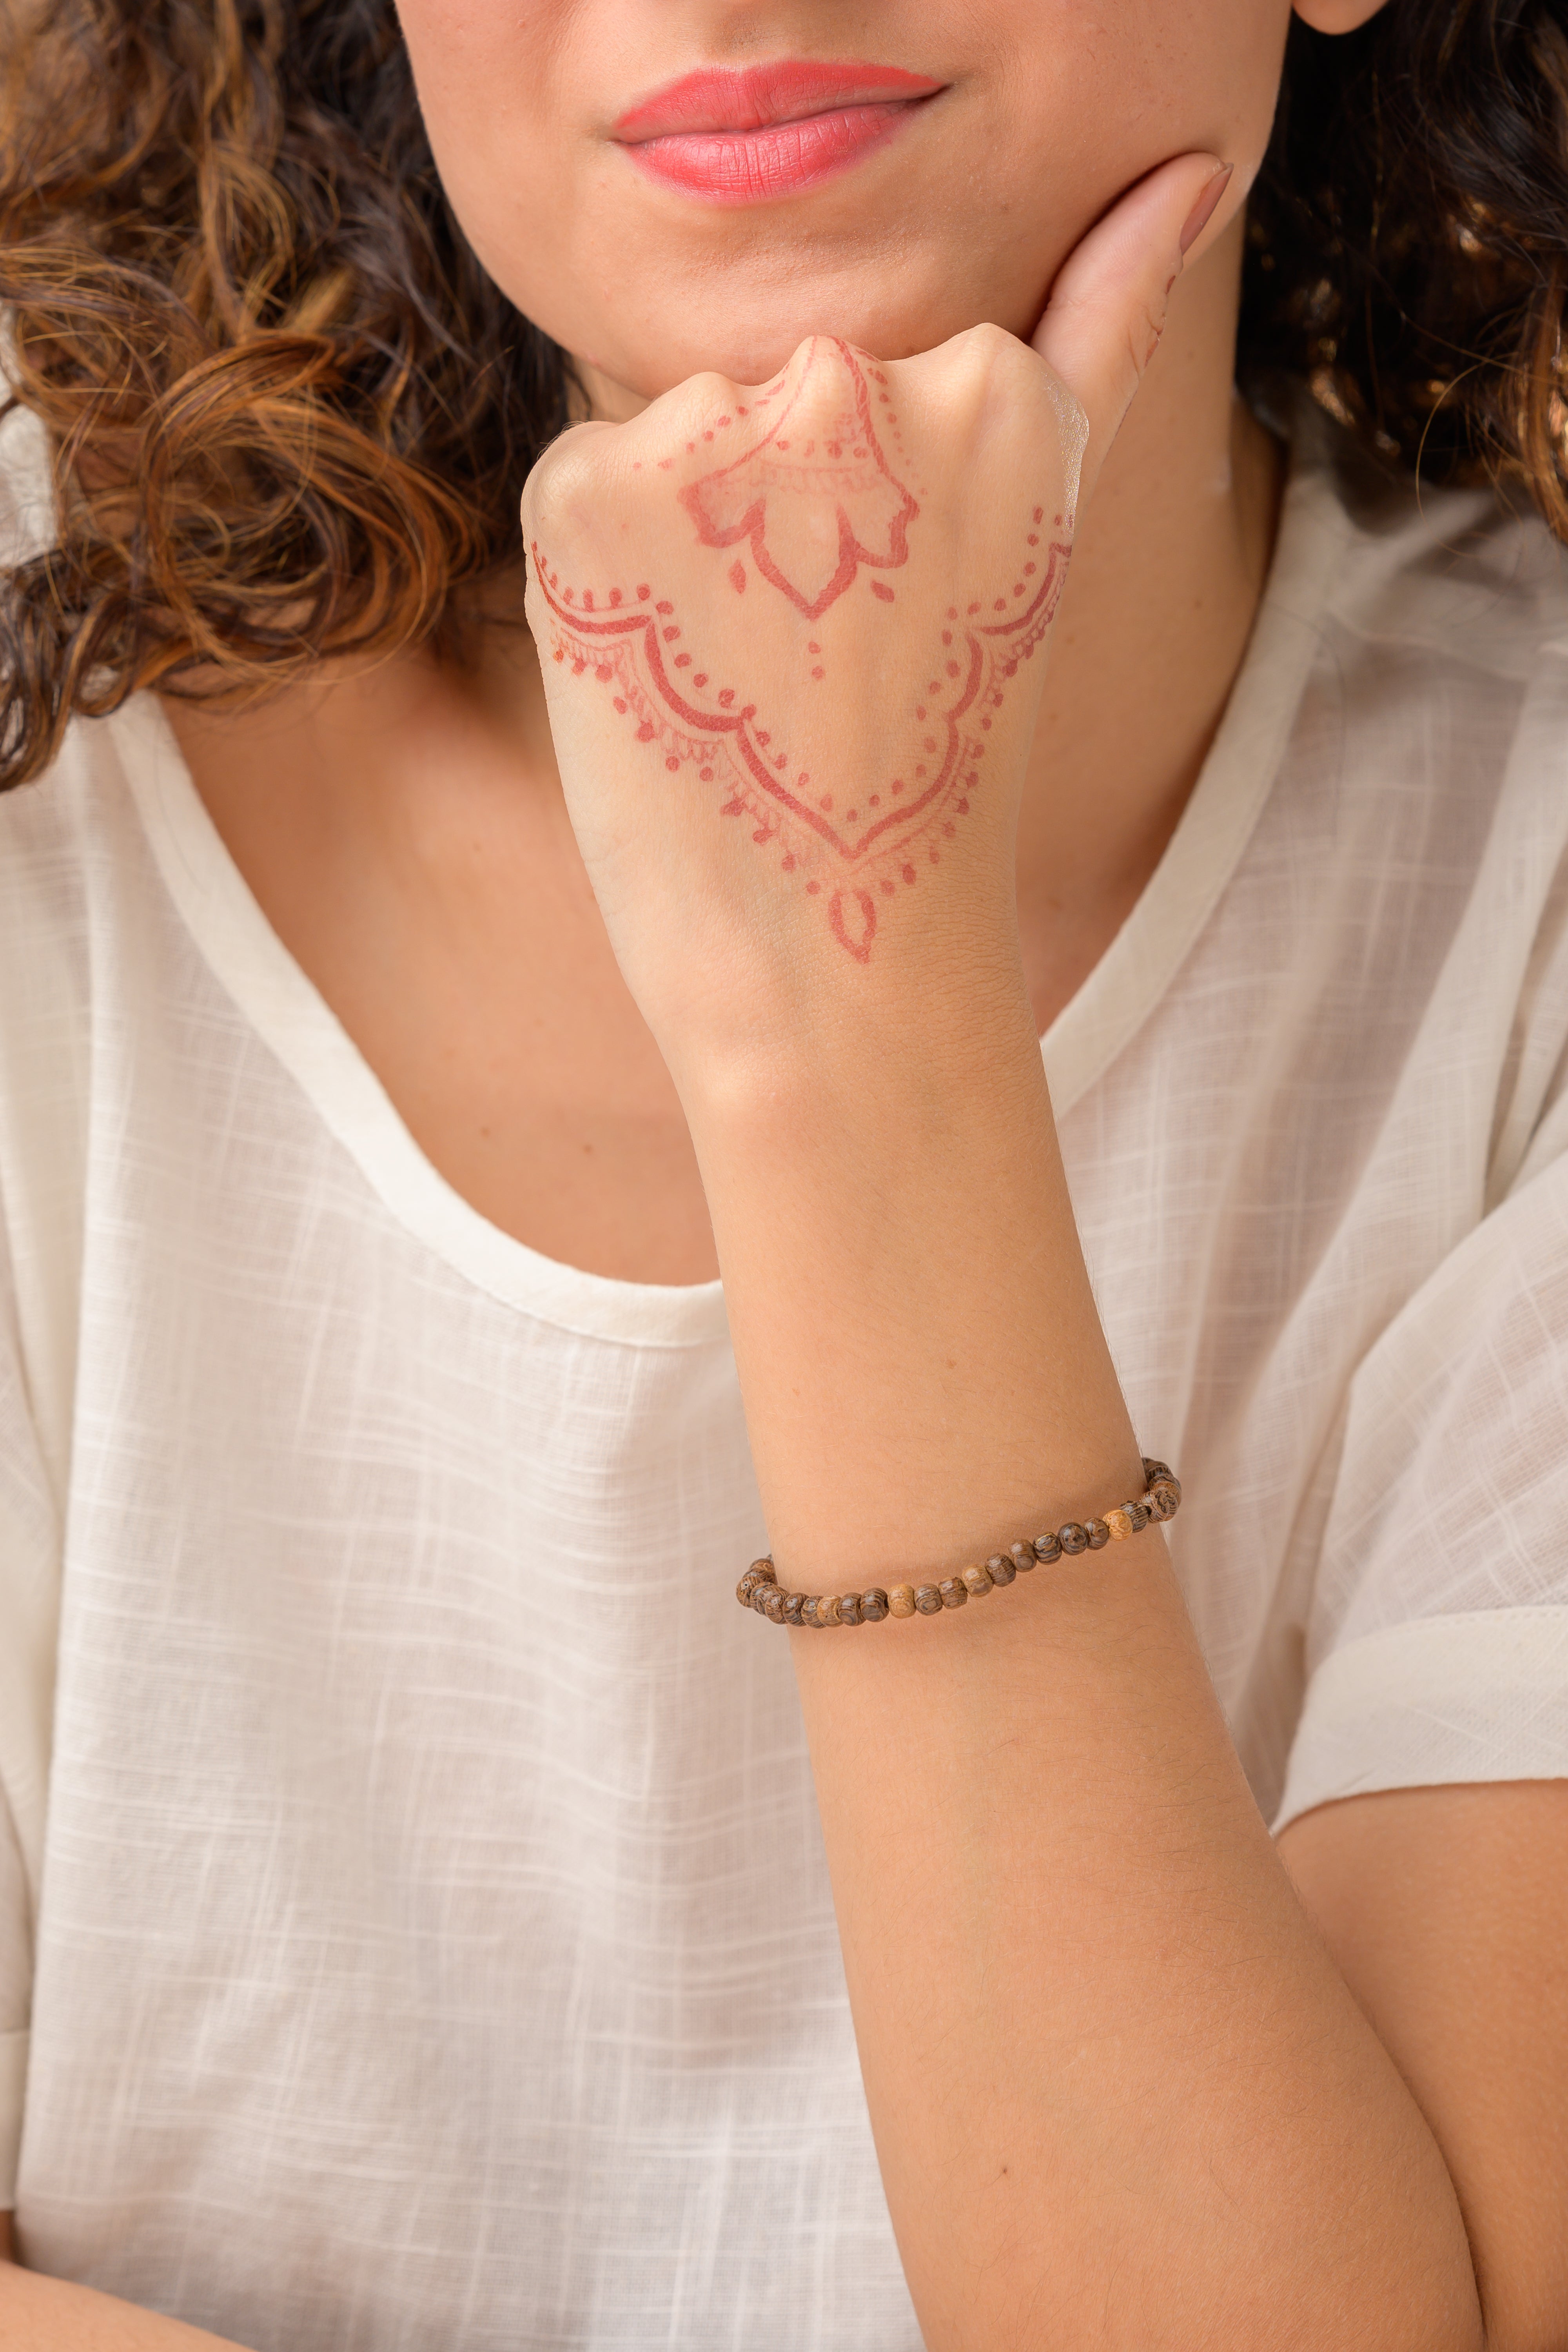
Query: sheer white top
point(414, 1930)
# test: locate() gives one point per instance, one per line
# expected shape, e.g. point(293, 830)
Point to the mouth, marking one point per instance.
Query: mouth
point(771, 131)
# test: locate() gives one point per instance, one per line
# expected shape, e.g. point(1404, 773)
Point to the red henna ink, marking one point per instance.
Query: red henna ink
point(779, 509)
point(626, 647)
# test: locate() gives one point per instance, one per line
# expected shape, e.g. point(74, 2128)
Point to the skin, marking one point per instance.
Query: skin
point(1139, 2077)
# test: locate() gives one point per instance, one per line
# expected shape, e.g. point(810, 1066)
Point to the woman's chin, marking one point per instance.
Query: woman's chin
point(621, 377)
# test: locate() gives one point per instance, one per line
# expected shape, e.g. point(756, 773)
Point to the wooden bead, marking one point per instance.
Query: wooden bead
point(759, 1587)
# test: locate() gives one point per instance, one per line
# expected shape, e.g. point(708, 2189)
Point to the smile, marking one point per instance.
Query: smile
point(772, 131)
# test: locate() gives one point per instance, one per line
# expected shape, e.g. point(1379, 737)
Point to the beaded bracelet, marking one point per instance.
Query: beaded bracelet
point(759, 1589)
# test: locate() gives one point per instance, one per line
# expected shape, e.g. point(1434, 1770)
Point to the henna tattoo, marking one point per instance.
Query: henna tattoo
point(812, 504)
point(880, 840)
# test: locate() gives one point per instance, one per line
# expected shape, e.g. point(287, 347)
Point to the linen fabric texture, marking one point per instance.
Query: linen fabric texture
point(414, 1925)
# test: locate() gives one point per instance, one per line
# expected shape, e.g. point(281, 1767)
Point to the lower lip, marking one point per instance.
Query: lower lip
point(758, 167)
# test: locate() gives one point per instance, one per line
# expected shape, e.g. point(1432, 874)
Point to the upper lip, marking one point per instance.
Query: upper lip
point(717, 98)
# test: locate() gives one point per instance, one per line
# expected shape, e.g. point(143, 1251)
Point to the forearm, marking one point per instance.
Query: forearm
point(1121, 2093)
point(46, 2315)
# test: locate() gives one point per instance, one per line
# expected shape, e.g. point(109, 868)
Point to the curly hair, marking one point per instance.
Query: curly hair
point(1408, 245)
point(288, 413)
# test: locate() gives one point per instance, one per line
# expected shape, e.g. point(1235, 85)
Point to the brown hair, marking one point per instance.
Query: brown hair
point(289, 415)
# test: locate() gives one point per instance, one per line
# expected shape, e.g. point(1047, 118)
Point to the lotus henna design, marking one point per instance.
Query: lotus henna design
point(813, 503)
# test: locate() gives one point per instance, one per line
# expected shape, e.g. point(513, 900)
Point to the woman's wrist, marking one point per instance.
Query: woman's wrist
point(796, 1047)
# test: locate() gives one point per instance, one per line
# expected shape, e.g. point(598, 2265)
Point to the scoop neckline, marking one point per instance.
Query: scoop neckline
point(282, 1005)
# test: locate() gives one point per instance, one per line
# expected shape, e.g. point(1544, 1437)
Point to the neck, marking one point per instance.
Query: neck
point(1164, 586)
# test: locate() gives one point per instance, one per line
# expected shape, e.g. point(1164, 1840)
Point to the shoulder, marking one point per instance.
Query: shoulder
point(1428, 753)
point(1471, 581)
point(62, 864)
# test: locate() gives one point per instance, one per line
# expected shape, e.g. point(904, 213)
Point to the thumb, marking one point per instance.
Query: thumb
point(1106, 309)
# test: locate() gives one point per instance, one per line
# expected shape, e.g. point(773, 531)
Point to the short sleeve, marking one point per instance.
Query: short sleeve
point(29, 1608)
point(1437, 1642)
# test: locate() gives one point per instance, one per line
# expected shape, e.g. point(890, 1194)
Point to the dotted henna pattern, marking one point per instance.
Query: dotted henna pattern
point(851, 850)
point(813, 505)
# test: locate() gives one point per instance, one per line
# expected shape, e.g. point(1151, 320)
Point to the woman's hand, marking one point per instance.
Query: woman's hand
point(1121, 2094)
point(791, 640)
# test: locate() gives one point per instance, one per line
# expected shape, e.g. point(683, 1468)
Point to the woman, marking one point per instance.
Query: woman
point(434, 1913)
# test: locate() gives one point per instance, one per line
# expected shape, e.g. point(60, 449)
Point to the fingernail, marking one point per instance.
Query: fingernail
point(1198, 218)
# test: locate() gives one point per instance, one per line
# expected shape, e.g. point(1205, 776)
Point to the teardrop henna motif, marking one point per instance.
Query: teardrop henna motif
point(793, 498)
point(873, 844)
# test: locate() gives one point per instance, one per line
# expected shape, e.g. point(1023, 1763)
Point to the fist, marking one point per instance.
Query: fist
point(786, 633)
point(791, 636)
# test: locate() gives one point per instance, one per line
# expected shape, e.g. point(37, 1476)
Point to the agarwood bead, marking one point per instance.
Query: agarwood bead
point(759, 1587)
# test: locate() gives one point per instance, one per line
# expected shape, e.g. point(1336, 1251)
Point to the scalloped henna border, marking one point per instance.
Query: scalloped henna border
point(610, 639)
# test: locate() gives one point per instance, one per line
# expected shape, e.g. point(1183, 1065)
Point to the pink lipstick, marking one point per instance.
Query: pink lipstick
point(771, 131)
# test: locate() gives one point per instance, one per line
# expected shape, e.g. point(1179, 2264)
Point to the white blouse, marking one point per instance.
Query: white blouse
point(413, 1925)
